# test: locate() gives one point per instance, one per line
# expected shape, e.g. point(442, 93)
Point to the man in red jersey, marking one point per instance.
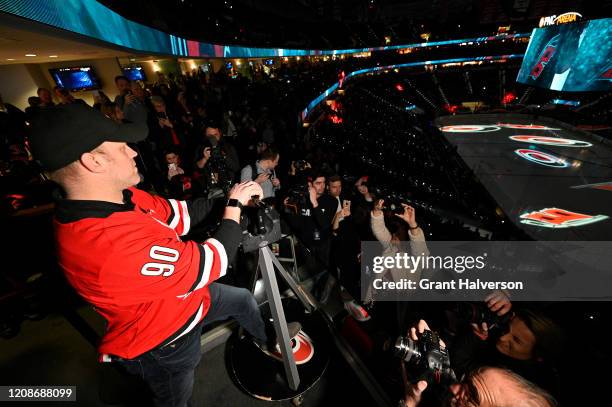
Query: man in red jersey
point(120, 248)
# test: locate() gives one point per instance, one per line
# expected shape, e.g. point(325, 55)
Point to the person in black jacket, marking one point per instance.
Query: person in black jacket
point(530, 346)
point(313, 221)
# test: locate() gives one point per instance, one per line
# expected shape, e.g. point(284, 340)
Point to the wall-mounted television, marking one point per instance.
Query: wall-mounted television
point(134, 73)
point(75, 78)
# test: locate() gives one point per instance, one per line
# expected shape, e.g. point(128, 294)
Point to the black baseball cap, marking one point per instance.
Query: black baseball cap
point(60, 134)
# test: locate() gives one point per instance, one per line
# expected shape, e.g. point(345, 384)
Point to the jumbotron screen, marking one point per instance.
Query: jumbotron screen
point(573, 57)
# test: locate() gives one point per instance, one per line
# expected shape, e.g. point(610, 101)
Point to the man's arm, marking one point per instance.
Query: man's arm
point(246, 174)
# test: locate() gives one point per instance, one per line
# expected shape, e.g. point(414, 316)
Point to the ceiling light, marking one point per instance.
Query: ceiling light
point(52, 56)
point(10, 59)
point(30, 55)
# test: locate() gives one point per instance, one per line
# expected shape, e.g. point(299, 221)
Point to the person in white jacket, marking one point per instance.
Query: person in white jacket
point(392, 244)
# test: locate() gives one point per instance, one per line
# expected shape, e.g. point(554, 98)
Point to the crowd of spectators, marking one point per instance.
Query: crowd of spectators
point(368, 170)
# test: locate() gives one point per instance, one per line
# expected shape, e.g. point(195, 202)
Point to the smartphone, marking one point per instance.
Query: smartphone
point(162, 115)
point(346, 204)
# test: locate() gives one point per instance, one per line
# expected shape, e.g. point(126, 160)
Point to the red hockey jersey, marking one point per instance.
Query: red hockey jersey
point(129, 262)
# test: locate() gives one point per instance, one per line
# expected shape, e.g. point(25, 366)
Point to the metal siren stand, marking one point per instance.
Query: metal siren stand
point(267, 261)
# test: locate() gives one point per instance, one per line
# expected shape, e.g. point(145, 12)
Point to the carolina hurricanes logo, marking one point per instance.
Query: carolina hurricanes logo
point(525, 126)
point(604, 186)
point(541, 158)
point(302, 347)
point(551, 141)
point(556, 218)
point(469, 128)
point(485, 128)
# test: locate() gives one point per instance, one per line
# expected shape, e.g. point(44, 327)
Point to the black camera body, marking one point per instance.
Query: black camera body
point(297, 198)
point(477, 313)
point(260, 226)
point(301, 165)
point(425, 359)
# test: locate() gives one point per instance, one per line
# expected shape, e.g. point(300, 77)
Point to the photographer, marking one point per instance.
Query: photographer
point(262, 172)
point(485, 386)
point(165, 133)
point(217, 161)
point(119, 247)
point(311, 213)
point(529, 345)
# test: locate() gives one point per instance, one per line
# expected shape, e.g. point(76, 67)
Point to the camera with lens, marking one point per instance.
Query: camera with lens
point(477, 313)
point(301, 165)
point(260, 226)
point(425, 359)
point(297, 198)
point(219, 179)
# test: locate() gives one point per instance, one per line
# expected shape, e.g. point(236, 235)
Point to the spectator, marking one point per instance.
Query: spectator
point(113, 111)
point(334, 189)
point(313, 221)
point(123, 88)
point(179, 184)
point(34, 103)
point(13, 125)
point(217, 162)
point(46, 99)
point(363, 188)
point(66, 97)
point(100, 99)
point(174, 161)
point(392, 243)
point(262, 172)
point(165, 134)
point(531, 346)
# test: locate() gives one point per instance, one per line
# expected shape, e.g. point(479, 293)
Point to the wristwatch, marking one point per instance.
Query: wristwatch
point(234, 203)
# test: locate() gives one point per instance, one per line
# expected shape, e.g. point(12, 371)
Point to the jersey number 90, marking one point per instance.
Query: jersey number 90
point(164, 254)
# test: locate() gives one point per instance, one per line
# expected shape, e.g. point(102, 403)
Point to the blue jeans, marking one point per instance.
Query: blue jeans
point(169, 371)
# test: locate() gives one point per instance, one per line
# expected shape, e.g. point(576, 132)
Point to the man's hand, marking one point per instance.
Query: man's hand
point(413, 393)
point(408, 216)
point(416, 332)
point(482, 331)
point(378, 205)
point(312, 192)
point(263, 177)
point(129, 99)
point(165, 123)
point(244, 191)
point(499, 303)
point(275, 182)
